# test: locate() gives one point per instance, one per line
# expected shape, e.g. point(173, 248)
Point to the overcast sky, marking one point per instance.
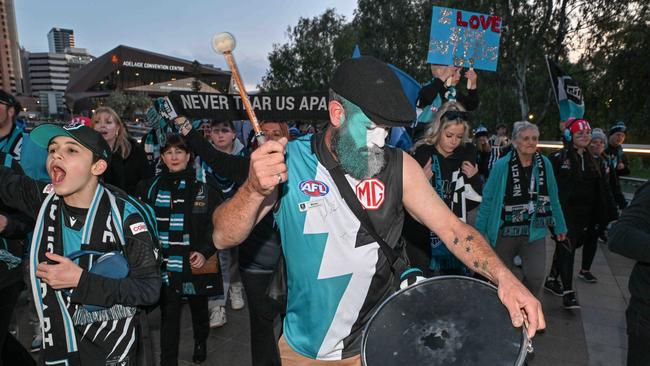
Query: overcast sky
point(177, 28)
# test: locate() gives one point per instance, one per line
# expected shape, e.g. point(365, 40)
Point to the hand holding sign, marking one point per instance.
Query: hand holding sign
point(166, 109)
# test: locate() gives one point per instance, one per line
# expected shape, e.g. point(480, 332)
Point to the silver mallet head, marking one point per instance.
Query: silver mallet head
point(223, 42)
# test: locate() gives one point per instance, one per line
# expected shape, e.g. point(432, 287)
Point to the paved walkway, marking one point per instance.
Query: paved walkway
point(592, 336)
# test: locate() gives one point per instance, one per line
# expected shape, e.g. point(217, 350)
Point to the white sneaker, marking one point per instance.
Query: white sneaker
point(237, 297)
point(217, 316)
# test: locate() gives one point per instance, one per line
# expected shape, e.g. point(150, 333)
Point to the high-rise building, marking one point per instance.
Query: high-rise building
point(47, 75)
point(10, 65)
point(59, 39)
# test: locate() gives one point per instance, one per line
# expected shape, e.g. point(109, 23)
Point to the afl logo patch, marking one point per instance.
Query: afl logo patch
point(314, 188)
point(370, 193)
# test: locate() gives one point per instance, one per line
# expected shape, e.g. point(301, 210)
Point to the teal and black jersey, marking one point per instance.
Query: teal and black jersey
point(337, 274)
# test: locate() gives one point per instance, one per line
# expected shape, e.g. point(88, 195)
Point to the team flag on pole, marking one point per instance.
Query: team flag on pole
point(567, 93)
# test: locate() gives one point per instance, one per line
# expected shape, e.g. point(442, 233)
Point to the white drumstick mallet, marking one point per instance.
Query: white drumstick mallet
point(224, 43)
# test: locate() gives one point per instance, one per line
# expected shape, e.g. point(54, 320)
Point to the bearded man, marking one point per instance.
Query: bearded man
point(337, 273)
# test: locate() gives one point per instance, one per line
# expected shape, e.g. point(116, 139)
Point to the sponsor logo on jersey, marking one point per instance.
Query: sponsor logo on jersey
point(138, 228)
point(48, 189)
point(370, 193)
point(314, 188)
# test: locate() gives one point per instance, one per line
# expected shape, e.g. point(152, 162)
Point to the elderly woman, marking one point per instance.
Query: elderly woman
point(129, 164)
point(520, 203)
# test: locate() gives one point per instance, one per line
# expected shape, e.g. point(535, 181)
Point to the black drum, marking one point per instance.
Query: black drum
point(447, 320)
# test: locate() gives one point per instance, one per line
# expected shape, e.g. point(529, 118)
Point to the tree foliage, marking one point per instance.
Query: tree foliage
point(603, 44)
point(125, 105)
point(315, 47)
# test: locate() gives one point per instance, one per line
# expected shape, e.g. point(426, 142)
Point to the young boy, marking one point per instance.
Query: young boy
point(76, 211)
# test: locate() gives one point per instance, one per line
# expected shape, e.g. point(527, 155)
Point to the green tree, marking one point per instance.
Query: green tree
point(118, 101)
point(620, 72)
point(398, 31)
point(126, 105)
point(314, 49)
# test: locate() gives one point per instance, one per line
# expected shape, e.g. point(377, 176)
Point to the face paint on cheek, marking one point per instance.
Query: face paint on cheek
point(356, 127)
point(376, 137)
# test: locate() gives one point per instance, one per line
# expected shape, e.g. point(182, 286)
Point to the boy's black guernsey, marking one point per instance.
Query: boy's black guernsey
point(107, 342)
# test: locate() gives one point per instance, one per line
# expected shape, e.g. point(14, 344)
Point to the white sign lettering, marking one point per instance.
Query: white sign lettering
point(148, 65)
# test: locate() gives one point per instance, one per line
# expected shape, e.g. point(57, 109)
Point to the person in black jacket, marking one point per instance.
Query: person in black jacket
point(630, 236)
point(590, 242)
point(129, 163)
point(483, 151)
point(440, 89)
point(183, 208)
point(618, 159)
point(259, 253)
point(14, 227)
point(443, 88)
point(586, 202)
point(449, 162)
point(77, 212)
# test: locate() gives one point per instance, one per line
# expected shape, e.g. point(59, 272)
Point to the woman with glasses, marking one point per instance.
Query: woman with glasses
point(448, 159)
point(129, 164)
point(585, 198)
point(520, 203)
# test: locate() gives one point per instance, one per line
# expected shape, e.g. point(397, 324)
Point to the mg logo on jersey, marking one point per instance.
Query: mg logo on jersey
point(370, 193)
point(314, 188)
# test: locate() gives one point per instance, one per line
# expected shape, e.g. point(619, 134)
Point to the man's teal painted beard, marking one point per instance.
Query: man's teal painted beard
point(351, 144)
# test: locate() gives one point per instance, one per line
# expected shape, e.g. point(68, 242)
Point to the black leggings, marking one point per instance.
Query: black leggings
point(589, 246)
point(564, 257)
point(170, 306)
point(262, 316)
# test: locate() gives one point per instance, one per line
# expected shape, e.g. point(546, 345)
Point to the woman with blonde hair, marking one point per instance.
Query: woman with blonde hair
point(448, 159)
point(129, 163)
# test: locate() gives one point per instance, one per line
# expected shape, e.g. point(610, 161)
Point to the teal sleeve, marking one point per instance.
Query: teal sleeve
point(486, 207)
point(556, 208)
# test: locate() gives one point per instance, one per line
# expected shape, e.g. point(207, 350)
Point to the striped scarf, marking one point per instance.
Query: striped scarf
point(58, 316)
point(526, 202)
point(179, 201)
point(173, 207)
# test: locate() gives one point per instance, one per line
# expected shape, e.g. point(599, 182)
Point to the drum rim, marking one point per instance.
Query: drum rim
point(521, 358)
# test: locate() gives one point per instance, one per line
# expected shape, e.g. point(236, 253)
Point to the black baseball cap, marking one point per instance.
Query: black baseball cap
point(86, 136)
point(373, 86)
point(9, 100)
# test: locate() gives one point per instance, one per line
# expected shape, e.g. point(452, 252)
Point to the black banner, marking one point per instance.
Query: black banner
point(277, 107)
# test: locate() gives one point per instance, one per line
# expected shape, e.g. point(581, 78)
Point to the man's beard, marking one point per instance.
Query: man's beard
point(360, 163)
